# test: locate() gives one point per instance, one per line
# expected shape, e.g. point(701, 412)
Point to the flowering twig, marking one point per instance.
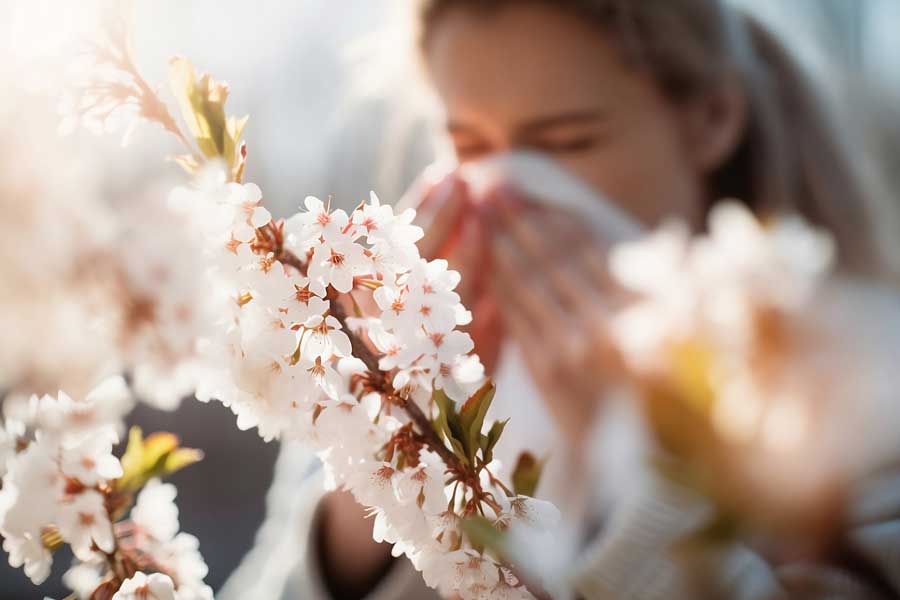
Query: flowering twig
point(461, 473)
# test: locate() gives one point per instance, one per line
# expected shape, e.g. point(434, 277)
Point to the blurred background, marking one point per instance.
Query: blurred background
point(334, 109)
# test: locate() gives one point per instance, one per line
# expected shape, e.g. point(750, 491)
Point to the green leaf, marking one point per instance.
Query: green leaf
point(527, 474)
point(158, 455)
point(179, 459)
point(490, 440)
point(483, 535)
point(472, 415)
point(202, 104)
point(448, 424)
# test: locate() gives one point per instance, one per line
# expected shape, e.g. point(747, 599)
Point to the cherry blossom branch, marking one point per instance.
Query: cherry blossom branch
point(362, 351)
point(365, 354)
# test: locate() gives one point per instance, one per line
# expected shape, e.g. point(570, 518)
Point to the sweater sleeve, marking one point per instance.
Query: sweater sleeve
point(633, 560)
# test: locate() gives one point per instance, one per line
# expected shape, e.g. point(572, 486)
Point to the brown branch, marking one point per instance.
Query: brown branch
point(292, 260)
point(421, 421)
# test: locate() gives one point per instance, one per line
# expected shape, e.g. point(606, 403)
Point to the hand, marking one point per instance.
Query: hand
point(550, 278)
point(352, 562)
point(454, 232)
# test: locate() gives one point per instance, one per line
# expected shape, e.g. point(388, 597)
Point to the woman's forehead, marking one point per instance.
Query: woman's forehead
point(526, 64)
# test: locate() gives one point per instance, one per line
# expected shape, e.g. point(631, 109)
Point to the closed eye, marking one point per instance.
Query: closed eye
point(470, 151)
point(567, 146)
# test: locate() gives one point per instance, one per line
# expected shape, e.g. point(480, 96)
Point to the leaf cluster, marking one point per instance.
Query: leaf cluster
point(202, 103)
point(462, 429)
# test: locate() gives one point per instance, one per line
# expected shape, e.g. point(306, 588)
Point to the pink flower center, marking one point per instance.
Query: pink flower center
point(384, 474)
point(303, 294)
point(336, 259)
point(232, 245)
point(265, 264)
point(318, 369)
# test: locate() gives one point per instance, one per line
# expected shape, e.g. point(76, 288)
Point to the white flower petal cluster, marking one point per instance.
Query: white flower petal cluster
point(154, 535)
point(715, 285)
point(286, 364)
point(736, 303)
point(155, 586)
point(102, 99)
point(11, 432)
point(55, 483)
point(104, 92)
point(155, 517)
point(101, 270)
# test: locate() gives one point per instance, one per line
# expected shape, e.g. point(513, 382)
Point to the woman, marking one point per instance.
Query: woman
point(662, 106)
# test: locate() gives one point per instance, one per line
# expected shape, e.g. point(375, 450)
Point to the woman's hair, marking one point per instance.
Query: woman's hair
point(793, 156)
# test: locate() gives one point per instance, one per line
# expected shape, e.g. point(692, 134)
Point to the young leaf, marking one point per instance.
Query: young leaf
point(472, 414)
point(527, 474)
point(448, 424)
point(156, 456)
point(490, 440)
point(179, 459)
point(483, 535)
point(202, 104)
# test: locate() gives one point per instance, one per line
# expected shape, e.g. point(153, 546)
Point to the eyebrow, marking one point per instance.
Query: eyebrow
point(542, 123)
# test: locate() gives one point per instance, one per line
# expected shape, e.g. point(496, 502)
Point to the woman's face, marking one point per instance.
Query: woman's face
point(533, 77)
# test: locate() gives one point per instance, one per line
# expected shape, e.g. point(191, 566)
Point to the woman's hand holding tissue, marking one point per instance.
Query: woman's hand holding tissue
point(549, 274)
point(546, 270)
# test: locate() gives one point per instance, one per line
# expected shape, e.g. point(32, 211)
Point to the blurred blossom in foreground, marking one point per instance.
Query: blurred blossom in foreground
point(86, 257)
point(759, 367)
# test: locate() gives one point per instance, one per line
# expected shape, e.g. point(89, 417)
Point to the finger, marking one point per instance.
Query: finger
point(468, 257)
point(579, 336)
point(442, 213)
point(586, 253)
point(549, 256)
point(417, 193)
point(579, 340)
point(487, 331)
point(519, 290)
point(529, 341)
point(568, 397)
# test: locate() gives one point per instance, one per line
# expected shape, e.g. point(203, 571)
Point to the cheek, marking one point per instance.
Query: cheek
point(647, 172)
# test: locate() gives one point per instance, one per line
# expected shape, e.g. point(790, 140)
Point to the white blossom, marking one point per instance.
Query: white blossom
point(141, 586)
point(155, 511)
point(83, 522)
point(156, 516)
point(29, 552)
point(317, 223)
point(11, 432)
point(336, 261)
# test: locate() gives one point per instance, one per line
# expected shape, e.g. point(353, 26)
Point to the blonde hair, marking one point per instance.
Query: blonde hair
point(793, 157)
